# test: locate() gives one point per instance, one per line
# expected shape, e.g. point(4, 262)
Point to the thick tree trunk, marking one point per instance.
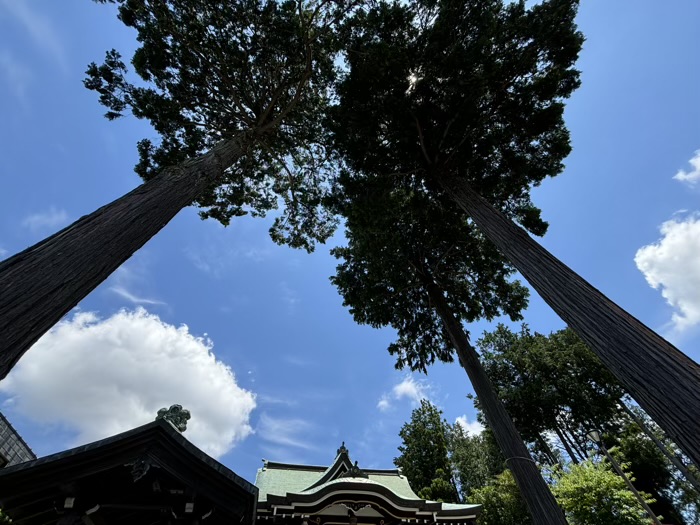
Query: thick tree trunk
point(670, 455)
point(533, 488)
point(41, 284)
point(664, 381)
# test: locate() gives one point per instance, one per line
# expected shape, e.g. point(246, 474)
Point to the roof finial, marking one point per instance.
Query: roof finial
point(342, 449)
point(176, 416)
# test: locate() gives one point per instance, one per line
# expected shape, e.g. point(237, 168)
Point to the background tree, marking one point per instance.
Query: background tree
point(551, 385)
point(246, 82)
point(555, 385)
point(502, 502)
point(592, 494)
point(476, 460)
point(424, 454)
point(674, 498)
point(468, 97)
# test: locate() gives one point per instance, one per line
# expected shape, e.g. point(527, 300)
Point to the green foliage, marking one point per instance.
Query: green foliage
point(440, 488)
point(502, 503)
point(424, 453)
point(472, 88)
point(653, 472)
point(4, 518)
point(592, 494)
point(399, 238)
point(256, 70)
point(476, 460)
point(550, 383)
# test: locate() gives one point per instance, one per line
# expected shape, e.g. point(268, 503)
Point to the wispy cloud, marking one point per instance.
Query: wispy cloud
point(289, 296)
point(217, 260)
point(3, 252)
point(297, 361)
point(39, 28)
point(266, 399)
point(126, 294)
point(50, 219)
point(672, 265)
point(17, 76)
point(285, 432)
point(691, 177)
point(409, 388)
point(133, 275)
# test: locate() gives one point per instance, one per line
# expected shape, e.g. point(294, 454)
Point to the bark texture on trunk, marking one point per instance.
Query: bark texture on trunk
point(547, 450)
point(533, 488)
point(664, 381)
point(670, 455)
point(566, 445)
point(41, 284)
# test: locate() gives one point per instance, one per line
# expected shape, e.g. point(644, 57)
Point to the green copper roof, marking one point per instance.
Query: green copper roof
point(285, 486)
point(283, 478)
point(280, 478)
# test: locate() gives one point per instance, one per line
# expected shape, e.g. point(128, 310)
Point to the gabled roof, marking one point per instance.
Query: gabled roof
point(282, 478)
point(294, 489)
point(150, 466)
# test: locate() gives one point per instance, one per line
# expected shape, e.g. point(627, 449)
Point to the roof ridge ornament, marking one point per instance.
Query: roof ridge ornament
point(342, 449)
point(176, 416)
point(354, 472)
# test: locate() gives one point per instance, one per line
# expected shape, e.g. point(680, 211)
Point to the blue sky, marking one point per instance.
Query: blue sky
point(301, 376)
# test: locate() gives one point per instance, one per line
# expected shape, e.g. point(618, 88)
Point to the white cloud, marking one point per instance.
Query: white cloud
point(691, 177)
point(3, 252)
point(672, 265)
point(291, 432)
point(50, 219)
point(99, 377)
point(472, 428)
point(409, 389)
point(40, 30)
point(384, 403)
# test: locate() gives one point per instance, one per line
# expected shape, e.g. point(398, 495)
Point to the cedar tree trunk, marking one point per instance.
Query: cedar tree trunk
point(567, 446)
point(670, 455)
point(664, 381)
point(41, 284)
point(534, 490)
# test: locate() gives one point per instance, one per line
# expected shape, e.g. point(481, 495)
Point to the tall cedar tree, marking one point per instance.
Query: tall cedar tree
point(551, 384)
point(476, 460)
point(246, 82)
point(555, 385)
point(424, 453)
point(418, 265)
point(468, 96)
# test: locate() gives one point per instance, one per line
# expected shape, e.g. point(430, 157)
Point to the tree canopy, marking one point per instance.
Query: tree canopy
point(424, 454)
point(551, 384)
point(472, 87)
point(592, 494)
point(399, 236)
point(209, 70)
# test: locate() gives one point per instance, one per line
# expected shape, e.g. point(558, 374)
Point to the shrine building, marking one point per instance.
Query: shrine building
point(344, 494)
point(152, 475)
